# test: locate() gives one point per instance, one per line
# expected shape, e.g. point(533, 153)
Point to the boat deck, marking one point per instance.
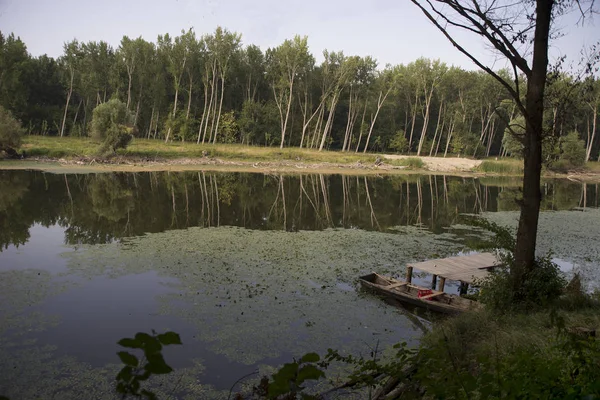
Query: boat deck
point(459, 268)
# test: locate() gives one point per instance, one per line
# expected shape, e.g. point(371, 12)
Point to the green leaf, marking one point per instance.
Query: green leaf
point(157, 365)
point(310, 357)
point(121, 388)
point(135, 386)
point(130, 343)
point(148, 395)
point(281, 380)
point(128, 359)
point(309, 372)
point(125, 374)
point(149, 344)
point(169, 338)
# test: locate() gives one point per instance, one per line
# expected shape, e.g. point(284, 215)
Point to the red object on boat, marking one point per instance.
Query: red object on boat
point(424, 292)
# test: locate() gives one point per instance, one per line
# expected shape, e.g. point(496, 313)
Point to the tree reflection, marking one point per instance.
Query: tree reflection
point(99, 208)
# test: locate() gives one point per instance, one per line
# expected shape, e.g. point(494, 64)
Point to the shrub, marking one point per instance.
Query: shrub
point(399, 142)
point(539, 287)
point(112, 126)
point(228, 128)
point(501, 167)
point(10, 133)
point(573, 150)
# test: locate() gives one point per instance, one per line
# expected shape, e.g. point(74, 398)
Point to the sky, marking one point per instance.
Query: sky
point(392, 31)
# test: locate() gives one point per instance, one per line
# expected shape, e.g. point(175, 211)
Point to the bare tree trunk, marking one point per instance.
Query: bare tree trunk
point(425, 120)
point(129, 75)
point(287, 114)
point(203, 112)
point(69, 93)
point(187, 114)
point(137, 109)
point(156, 125)
point(414, 119)
point(380, 102)
point(77, 112)
point(362, 122)
point(449, 138)
point(591, 141)
point(317, 129)
point(220, 108)
point(491, 136)
point(440, 138)
point(329, 123)
point(350, 111)
point(437, 126)
point(151, 119)
point(212, 95)
point(174, 113)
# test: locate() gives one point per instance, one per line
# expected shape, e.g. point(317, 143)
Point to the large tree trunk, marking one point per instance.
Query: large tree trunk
point(532, 154)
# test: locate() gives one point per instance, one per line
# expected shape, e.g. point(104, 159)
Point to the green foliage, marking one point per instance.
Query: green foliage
point(573, 149)
point(228, 128)
point(481, 356)
point(136, 371)
point(258, 122)
point(112, 126)
point(10, 132)
point(399, 143)
point(501, 167)
point(538, 287)
point(288, 380)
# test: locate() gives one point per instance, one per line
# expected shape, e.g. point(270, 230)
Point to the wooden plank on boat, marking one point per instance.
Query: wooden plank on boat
point(459, 268)
point(429, 296)
point(395, 285)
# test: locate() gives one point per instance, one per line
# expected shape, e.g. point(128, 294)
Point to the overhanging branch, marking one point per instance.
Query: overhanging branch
point(506, 85)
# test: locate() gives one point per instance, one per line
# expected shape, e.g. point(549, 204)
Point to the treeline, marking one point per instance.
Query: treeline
point(213, 89)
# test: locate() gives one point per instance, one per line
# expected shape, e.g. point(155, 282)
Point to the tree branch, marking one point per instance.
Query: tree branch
point(506, 85)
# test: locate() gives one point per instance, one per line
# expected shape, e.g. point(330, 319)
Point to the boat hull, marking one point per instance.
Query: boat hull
point(408, 293)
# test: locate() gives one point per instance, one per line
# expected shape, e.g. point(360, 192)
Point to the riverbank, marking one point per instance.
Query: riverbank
point(64, 155)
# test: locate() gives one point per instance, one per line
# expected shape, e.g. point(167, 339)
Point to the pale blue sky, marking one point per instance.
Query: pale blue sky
point(392, 31)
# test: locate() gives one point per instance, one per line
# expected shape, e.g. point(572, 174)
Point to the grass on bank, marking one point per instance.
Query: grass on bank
point(506, 166)
point(149, 149)
point(67, 147)
point(409, 162)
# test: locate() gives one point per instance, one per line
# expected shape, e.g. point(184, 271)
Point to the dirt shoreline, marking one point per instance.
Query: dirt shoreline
point(434, 166)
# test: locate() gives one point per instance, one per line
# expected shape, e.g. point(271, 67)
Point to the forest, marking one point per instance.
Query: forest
point(215, 89)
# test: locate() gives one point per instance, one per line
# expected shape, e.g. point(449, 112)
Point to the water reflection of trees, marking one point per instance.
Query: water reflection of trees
point(97, 208)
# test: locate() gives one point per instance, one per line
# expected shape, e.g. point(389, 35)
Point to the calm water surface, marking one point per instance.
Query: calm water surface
point(250, 269)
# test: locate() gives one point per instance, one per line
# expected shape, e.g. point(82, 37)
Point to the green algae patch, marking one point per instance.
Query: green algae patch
point(255, 295)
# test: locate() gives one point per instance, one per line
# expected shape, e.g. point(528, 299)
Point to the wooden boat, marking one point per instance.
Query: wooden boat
point(406, 292)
